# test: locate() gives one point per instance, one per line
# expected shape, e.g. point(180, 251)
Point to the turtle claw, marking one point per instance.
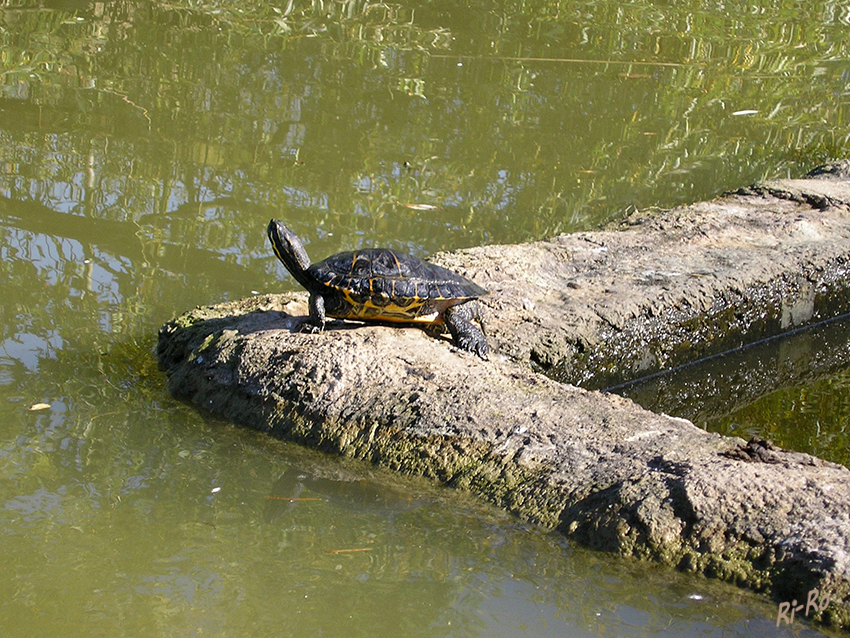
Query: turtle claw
point(309, 327)
point(482, 350)
point(475, 345)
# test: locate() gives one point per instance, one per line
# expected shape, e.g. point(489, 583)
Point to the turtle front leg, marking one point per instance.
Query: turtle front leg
point(460, 320)
point(316, 322)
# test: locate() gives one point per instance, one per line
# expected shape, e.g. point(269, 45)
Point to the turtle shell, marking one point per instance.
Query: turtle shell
point(384, 284)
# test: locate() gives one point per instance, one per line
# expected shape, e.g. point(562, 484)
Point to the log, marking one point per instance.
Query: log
point(590, 308)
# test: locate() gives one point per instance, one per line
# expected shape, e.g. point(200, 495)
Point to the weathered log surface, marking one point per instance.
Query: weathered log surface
point(589, 307)
point(598, 308)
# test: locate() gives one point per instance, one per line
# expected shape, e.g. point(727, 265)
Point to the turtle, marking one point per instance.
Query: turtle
point(381, 284)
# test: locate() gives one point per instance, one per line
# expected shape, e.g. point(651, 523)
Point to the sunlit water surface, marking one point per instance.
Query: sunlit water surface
point(146, 145)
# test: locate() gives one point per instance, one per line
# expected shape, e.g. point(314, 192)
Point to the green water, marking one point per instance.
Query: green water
point(144, 148)
point(793, 390)
point(813, 418)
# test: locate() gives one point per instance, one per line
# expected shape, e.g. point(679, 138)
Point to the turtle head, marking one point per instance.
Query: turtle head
point(290, 251)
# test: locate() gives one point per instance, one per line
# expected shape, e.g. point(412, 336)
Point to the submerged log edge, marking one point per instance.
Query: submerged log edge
point(655, 291)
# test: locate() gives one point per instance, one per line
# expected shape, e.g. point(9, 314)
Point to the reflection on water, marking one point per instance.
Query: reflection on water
point(794, 390)
point(146, 145)
point(810, 418)
point(140, 528)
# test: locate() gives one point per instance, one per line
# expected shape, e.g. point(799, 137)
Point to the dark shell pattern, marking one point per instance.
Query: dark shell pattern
point(383, 283)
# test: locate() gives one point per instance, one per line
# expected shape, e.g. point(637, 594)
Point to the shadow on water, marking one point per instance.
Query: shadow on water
point(766, 389)
point(319, 483)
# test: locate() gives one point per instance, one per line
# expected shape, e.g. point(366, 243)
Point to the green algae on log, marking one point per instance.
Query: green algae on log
point(595, 466)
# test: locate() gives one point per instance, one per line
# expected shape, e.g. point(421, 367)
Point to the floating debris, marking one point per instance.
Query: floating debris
point(39, 406)
point(420, 206)
point(745, 112)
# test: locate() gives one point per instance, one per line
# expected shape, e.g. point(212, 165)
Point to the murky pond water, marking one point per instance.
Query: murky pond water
point(146, 145)
point(793, 390)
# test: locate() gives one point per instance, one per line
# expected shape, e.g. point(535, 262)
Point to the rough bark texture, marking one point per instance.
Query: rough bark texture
point(590, 307)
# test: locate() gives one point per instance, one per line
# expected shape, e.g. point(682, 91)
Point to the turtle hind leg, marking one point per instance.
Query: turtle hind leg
point(460, 320)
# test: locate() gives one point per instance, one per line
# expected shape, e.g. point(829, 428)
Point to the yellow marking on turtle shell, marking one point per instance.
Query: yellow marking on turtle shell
point(367, 310)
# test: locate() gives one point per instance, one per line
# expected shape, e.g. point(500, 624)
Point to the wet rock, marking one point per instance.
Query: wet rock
point(656, 291)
